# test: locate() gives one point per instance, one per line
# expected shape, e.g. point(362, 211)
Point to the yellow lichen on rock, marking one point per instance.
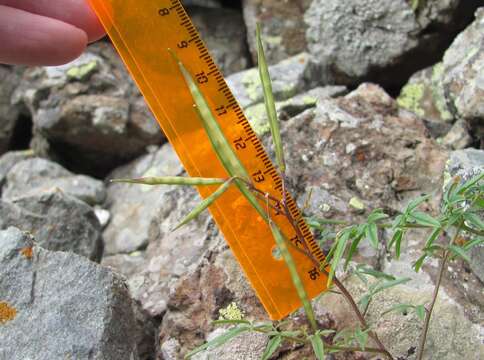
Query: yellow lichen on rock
point(7, 313)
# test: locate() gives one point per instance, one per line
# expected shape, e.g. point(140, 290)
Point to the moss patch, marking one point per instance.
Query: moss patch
point(82, 72)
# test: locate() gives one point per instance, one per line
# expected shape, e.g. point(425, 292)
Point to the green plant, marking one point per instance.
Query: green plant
point(459, 215)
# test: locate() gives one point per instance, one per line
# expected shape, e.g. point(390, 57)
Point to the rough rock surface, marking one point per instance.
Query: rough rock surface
point(9, 160)
point(223, 32)
point(36, 175)
point(63, 306)
point(9, 78)
point(452, 89)
point(353, 40)
point(135, 207)
point(467, 164)
point(451, 335)
point(88, 114)
point(58, 221)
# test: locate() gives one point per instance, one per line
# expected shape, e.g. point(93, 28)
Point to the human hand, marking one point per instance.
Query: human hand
point(45, 32)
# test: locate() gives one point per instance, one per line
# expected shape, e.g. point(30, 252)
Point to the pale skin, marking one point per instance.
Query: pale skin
point(45, 32)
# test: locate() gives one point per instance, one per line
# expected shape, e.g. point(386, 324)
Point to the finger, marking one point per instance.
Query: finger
point(30, 39)
point(75, 12)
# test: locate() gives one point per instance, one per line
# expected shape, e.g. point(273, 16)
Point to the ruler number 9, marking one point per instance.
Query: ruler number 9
point(182, 44)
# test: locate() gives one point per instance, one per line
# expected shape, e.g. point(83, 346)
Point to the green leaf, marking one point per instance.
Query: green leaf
point(378, 287)
point(230, 322)
point(364, 301)
point(204, 204)
point(318, 345)
point(219, 340)
point(296, 279)
point(272, 346)
point(473, 243)
point(364, 269)
point(397, 241)
point(338, 254)
point(371, 233)
point(354, 246)
point(412, 205)
point(425, 219)
point(459, 252)
point(421, 312)
point(399, 308)
point(362, 338)
point(433, 236)
point(269, 102)
point(469, 184)
point(418, 264)
point(376, 216)
point(172, 180)
point(474, 219)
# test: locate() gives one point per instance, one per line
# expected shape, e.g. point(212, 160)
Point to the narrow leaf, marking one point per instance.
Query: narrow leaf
point(272, 346)
point(364, 269)
point(469, 184)
point(219, 340)
point(418, 264)
point(459, 252)
point(371, 233)
point(296, 279)
point(318, 346)
point(474, 219)
point(362, 338)
point(425, 219)
point(402, 308)
point(412, 205)
point(473, 243)
point(230, 322)
point(433, 236)
point(389, 284)
point(204, 204)
point(377, 215)
point(338, 254)
point(270, 103)
point(421, 312)
point(172, 180)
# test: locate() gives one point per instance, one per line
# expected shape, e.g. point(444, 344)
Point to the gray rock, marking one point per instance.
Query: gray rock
point(88, 114)
point(134, 207)
point(58, 221)
point(223, 31)
point(466, 164)
point(9, 160)
point(62, 305)
point(451, 336)
point(452, 89)
point(251, 345)
point(458, 136)
point(379, 39)
point(283, 27)
point(203, 3)
point(33, 176)
point(9, 113)
point(289, 77)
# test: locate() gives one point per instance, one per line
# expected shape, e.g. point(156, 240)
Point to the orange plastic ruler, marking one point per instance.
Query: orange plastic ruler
point(143, 31)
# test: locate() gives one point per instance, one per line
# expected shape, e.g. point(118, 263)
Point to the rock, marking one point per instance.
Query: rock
point(289, 78)
point(134, 207)
point(36, 175)
point(257, 114)
point(88, 114)
point(466, 164)
point(223, 32)
point(458, 137)
point(63, 306)
point(283, 27)
point(351, 41)
point(9, 113)
point(251, 345)
point(451, 336)
point(9, 160)
point(202, 3)
point(360, 146)
point(58, 221)
point(354, 40)
point(452, 89)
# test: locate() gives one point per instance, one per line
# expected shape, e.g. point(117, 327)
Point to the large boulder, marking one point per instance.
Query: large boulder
point(58, 221)
point(351, 41)
point(36, 175)
point(88, 114)
point(9, 113)
point(452, 89)
point(58, 305)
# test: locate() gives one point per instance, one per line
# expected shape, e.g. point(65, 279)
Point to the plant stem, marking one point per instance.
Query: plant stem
point(428, 315)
